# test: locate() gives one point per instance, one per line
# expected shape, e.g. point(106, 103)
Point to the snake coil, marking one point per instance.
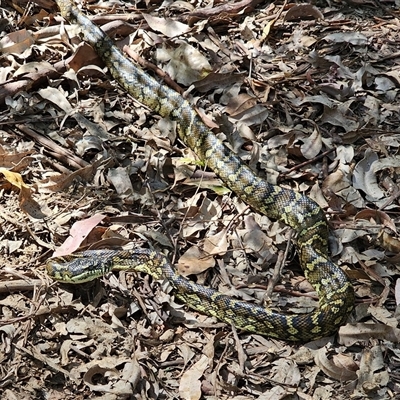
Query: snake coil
point(336, 296)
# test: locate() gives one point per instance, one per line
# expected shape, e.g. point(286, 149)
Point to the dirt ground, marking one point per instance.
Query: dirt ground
point(306, 94)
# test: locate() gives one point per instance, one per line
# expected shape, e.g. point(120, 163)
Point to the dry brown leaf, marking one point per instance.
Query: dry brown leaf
point(19, 42)
point(365, 178)
point(216, 244)
point(341, 75)
point(379, 216)
point(61, 182)
point(303, 11)
point(389, 243)
point(194, 261)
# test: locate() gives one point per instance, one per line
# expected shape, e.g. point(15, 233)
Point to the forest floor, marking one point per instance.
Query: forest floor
point(306, 94)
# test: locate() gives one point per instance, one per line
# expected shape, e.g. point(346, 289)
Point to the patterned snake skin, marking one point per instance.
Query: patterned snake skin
point(336, 297)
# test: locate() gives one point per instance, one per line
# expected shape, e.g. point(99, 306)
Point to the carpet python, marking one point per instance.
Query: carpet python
point(336, 296)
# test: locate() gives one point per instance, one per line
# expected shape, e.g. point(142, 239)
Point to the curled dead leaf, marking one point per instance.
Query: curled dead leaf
point(339, 367)
point(27, 203)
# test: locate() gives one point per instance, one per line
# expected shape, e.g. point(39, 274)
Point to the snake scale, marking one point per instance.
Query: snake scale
point(336, 296)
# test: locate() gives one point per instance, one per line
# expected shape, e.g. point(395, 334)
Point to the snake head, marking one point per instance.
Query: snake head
point(78, 268)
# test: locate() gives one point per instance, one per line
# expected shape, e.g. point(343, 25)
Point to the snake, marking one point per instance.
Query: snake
point(332, 285)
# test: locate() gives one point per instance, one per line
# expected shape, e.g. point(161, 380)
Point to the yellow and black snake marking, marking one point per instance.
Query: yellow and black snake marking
point(336, 296)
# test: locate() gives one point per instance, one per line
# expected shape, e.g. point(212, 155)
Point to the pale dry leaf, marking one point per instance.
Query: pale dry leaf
point(120, 179)
point(186, 352)
point(190, 384)
point(159, 237)
point(389, 243)
point(388, 162)
point(239, 103)
point(61, 182)
point(286, 372)
point(27, 203)
point(383, 315)
point(304, 355)
point(364, 176)
point(345, 361)
point(88, 143)
point(354, 38)
point(107, 373)
point(253, 116)
point(339, 116)
point(372, 374)
point(323, 393)
point(186, 64)
point(360, 332)
point(199, 217)
point(56, 97)
point(312, 145)
point(33, 68)
point(318, 99)
point(215, 80)
point(397, 291)
point(15, 162)
point(373, 115)
point(166, 26)
point(7, 334)
point(317, 195)
point(276, 393)
point(12, 245)
point(14, 178)
point(65, 348)
point(348, 235)
point(256, 241)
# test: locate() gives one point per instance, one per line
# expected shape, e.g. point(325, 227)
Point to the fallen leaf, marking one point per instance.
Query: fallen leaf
point(190, 384)
point(78, 233)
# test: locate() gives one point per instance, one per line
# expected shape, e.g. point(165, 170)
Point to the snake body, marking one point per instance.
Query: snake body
point(336, 296)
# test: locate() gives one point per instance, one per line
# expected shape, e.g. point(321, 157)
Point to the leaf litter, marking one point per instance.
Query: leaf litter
point(306, 94)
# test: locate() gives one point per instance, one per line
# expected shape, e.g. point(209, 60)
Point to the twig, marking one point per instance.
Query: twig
point(58, 152)
point(298, 166)
point(278, 268)
point(20, 285)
